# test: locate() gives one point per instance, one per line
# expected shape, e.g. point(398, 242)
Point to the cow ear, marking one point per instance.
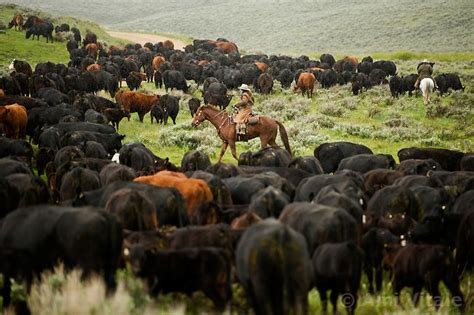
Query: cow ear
point(122, 137)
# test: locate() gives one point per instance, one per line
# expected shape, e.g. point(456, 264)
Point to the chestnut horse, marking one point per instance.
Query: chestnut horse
point(266, 129)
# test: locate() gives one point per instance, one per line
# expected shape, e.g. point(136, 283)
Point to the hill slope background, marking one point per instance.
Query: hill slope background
point(286, 26)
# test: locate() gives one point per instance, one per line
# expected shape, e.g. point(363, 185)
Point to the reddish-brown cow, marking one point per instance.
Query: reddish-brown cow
point(134, 102)
point(306, 84)
point(14, 117)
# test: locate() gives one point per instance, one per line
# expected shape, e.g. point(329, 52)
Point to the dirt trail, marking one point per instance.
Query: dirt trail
point(142, 38)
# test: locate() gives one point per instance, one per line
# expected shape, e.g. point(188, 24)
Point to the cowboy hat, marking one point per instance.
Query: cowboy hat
point(244, 87)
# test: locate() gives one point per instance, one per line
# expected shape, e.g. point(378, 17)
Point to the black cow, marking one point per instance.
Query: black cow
point(115, 115)
point(195, 160)
point(395, 85)
point(77, 34)
point(310, 187)
point(157, 112)
point(426, 265)
point(95, 117)
point(450, 160)
point(373, 243)
point(44, 29)
point(448, 81)
point(186, 271)
point(275, 157)
point(267, 273)
point(269, 202)
point(116, 172)
point(170, 106)
point(168, 202)
point(330, 78)
point(320, 224)
point(408, 84)
point(388, 67)
point(134, 80)
point(379, 178)
point(62, 28)
point(111, 142)
point(22, 67)
point(363, 163)
point(285, 77)
point(308, 164)
point(34, 239)
point(327, 59)
point(365, 67)
point(377, 77)
point(216, 94)
point(394, 208)
point(19, 149)
point(467, 162)
point(174, 79)
point(331, 153)
point(193, 105)
point(337, 268)
point(418, 167)
point(464, 244)
point(30, 190)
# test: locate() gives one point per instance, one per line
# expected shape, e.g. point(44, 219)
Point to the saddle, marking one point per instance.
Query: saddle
point(241, 128)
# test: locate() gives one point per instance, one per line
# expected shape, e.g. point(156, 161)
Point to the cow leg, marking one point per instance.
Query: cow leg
point(452, 283)
point(324, 300)
point(223, 149)
point(397, 288)
point(434, 292)
point(370, 278)
point(378, 279)
point(333, 297)
point(415, 295)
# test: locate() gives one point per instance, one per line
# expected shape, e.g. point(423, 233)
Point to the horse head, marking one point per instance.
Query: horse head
point(199, 116)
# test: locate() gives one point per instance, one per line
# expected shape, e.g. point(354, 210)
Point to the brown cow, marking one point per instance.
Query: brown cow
point(14, 118)
point(92, 49)
point(157, 61)
point(306, 84)
point(93, 67)
point(135, 102)
point(114, 50)
point(203, 62)
point(17, 21)
point(245, 220)
point(196, 193)
point(168, 44)
point(226, 47)
point(2, 93)
point(352, 59)
point(263, 67)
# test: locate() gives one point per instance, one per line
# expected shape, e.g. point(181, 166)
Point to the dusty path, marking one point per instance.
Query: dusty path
point(142, 38)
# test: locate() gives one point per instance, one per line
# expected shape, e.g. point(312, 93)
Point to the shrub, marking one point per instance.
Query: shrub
point(333, 110)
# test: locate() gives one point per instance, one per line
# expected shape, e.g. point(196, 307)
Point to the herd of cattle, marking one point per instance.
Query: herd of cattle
point(281, 225)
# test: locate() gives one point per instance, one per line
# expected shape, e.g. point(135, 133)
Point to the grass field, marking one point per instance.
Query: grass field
point(373, 118)
point(13, 44)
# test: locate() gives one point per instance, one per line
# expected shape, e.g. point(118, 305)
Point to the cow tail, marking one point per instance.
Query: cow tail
point(284, 136)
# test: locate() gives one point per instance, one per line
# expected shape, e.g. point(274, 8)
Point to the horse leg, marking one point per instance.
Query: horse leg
point(223, 149)
point(233, 150)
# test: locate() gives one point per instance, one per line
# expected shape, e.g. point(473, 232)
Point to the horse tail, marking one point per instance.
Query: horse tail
point(284, 136)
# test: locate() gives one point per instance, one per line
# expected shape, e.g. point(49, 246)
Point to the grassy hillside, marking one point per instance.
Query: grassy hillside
point(286, 26)
point(13, 44)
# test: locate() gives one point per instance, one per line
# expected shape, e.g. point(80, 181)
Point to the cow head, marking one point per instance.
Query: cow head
point(29, 32)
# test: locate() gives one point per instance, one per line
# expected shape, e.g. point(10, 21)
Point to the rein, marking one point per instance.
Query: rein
point(223, 122)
